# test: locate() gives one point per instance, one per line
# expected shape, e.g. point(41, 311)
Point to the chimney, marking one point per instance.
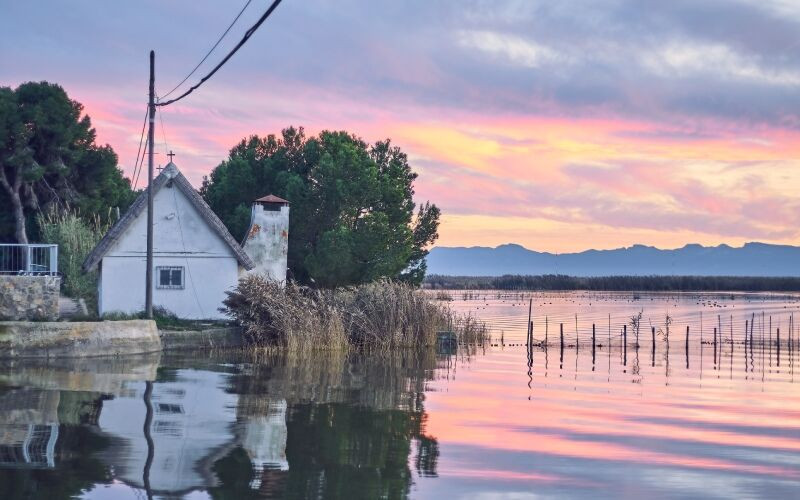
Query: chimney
point(267, 240)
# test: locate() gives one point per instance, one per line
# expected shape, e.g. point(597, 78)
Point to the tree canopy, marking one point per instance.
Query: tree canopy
point(48, 157)
point(352, 216)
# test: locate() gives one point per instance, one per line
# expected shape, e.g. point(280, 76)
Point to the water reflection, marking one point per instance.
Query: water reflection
point(334, 426)
point(593, 417)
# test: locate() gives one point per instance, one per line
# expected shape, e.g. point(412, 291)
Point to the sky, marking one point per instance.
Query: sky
point(560, 126)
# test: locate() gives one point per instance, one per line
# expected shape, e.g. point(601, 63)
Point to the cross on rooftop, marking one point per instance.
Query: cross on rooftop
point(170, 154)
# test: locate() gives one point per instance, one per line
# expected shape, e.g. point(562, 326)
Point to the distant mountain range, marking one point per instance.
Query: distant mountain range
point(752, 259)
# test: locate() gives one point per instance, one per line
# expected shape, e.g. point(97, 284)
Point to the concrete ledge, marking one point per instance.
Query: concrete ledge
point(78, 339)
point(218, 338)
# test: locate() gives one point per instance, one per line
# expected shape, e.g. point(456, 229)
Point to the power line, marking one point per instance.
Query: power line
point(141, 139)
point(244, 39)
point(210, 51)
point(163, 131)
point(141, 164)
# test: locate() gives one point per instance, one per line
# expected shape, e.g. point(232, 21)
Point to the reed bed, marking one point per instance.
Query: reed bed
point(380, 315)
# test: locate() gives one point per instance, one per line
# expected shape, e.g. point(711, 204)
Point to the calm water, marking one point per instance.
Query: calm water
point(499, 421)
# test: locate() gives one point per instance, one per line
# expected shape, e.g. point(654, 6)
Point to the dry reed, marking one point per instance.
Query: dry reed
point(380, 315)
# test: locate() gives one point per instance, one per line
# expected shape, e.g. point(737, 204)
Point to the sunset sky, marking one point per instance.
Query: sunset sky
point(560, 126)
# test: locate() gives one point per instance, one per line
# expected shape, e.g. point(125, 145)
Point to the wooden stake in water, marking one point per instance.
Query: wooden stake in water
point(625, 345)
point(653, 335)
point(745, 346)
point(530, 324)
point(593, 343)
point(778, 346)
point(687, 346)
point(715, 345)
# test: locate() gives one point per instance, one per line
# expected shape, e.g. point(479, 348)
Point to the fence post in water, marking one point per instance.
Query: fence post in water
point(530, 323)
point(778, 345)
point(562, 344)
point(625, 345)
point(653, 345)
point(687, 339)
point(715, 345)
point(687, 346)
point(593, 342)
point(770, 341)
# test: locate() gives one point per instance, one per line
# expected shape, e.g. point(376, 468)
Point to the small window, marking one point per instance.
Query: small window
point(170, 277)
point(169, 408)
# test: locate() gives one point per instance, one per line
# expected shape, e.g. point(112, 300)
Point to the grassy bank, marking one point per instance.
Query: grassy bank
point(380, 315)
point(552, 282)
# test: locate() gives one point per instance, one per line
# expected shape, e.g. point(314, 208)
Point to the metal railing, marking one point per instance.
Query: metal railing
point(29, 260)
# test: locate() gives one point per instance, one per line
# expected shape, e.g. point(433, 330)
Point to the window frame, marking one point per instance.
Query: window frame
point(170, 286)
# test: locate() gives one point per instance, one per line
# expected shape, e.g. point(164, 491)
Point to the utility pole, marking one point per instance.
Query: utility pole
point(148, 296)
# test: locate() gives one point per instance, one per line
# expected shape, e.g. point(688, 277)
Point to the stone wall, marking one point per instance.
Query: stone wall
point(29, 298)
point(77, 339)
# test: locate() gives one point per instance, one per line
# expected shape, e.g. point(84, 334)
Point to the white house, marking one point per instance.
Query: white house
point(195, 258)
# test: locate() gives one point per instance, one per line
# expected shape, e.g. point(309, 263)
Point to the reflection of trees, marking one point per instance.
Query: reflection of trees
point(352, 423)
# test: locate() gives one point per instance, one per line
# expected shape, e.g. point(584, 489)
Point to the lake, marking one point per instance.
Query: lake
point(668, 419)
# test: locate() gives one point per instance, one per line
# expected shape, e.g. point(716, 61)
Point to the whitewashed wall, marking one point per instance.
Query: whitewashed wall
point(181, 238)
point(267, 241)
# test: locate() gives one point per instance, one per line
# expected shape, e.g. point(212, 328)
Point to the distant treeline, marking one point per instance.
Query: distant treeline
point(616, 283)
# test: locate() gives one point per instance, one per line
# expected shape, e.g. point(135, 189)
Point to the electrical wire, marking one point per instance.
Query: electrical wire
point(183, 242)
point(141, 164)
point(244, 39)
point(210, 51)
point(141, 139)
point(163, 132)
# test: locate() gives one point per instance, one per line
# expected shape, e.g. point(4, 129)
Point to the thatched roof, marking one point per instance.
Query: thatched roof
point(169, 173)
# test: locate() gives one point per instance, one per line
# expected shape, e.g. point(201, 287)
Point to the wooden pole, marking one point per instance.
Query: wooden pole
point(530, 324)
point(625, 345)
point(715, 345)
point(148, 281)
point(687, 339)
point(687, 346)
point(653, 345)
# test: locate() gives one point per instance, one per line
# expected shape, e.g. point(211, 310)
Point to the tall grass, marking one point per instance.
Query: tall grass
point(379, 315)
point(75, 237)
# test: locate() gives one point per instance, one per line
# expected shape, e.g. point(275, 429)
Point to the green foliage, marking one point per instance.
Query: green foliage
point(352, 217)
point(48, 158)
point(75, 237)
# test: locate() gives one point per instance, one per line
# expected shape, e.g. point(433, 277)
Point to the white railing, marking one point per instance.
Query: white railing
point(32, 260)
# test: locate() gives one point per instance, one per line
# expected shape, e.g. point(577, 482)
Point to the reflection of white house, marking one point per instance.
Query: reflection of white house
point(28, 428)
point(264, 440)
point(192, 426)
point(195, 422)
point(196, 259)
